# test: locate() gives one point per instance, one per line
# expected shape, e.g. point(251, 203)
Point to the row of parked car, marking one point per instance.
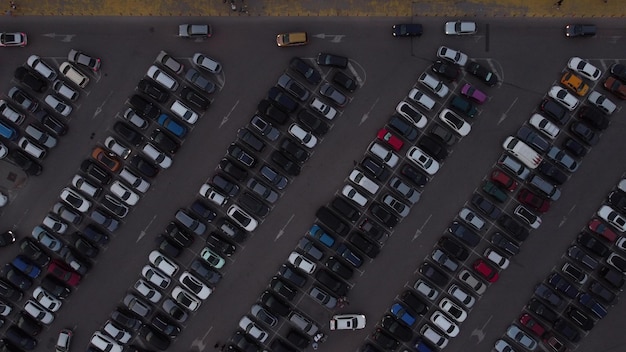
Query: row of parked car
point(34, 139)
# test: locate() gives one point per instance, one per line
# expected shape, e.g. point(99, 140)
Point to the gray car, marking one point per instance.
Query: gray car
point(333, 94)
point(136, 305)
point(441, 258)
point(105, 220)
point(199, 81)
point(309, 248)
point(521, 337)
point(264, 128)
point(323, 297)
point(293, 87)
point(408, 193)
point(190, 222)
point(262, 190)
point(563, 159)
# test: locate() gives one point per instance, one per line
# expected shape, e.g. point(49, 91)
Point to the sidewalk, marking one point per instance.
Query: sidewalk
point(396, 8)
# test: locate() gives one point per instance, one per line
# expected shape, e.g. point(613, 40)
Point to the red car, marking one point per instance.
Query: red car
point(504, 180)
point(602, 230)
point(485, 270)
point(63, 272)
point(534, 201)
point(532, 324)
point(389, 138)
point(618, 88)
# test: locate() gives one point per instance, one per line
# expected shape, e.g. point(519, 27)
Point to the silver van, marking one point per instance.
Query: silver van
point(40, 136)
point(162, 78)
point(546, 187)
point(303, 323)
point(518, 170)
point(74, 75)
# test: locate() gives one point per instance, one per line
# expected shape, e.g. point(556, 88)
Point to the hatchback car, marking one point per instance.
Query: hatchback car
point(481, 72)
point(563, 97)
point(584, 68)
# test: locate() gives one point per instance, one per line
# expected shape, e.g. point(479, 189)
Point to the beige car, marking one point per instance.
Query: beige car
point(292, 39)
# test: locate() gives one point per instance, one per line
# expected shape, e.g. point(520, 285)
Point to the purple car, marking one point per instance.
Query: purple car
point(473, 93)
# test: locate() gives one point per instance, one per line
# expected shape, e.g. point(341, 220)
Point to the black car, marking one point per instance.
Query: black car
point(233, 170)
point(585, 133)
point(413, 174)
point(283, 288)
point(403, 127)
point(294, 151)
point(170, 249)
point(407, 30)
point(435, 275)
point(502, 242)
point(143, 107)
point(285, 163)
point(50, 122)
point(446, 70)
point(580, 318)
point(533, 139)
point(272, 112)
point(205, 272)
point(325, 59)
point(25, 162)
point(128, 133)
point(338, 267)
point(95, 235)
point(224, 184)
point(612, 277)
point(374, 231)
point(153, 90)
point(16, 277)
point(364, 245)
point(345, 81)
point(114, 205)
point(241, 342)
point(251, 203)
point(433, 147)
point(220, 244)
point(305, 70)
point(28, 324)
point(8, 291)
point(552, 172)
point(333, 283)
point(575, 147)
point(203, 210)
point(249, 138)
point(580, 30)
point(375, 169)
point(282, 100)
point(603, 293)
point(443, 134)
point(126, 319)
point(164, 142)
point(464, 233)
point(165, 325)
point(19, 338)
point(179, 235)
point(594, 117)
point(279, 345)
point(537, 307)
point(593, 244)
point(7, 238)
point(345, 209)
point(154, 338)
point(453, 248)
point(297, 339)
point(514, 228)
point(414, 302)
point(292, 275)
point(332, 221)
point(55, 287)
point(312, 123)
point(385, 340)
point(567, 330)
point(95, 172)
point(33, 251)
point(274, 304)
point(619, 71)
point(195, 99)
point(482, 73)
point(383, 215)
point(85, 248)
point(30, 80)
point(396, 328)
point(555, 111)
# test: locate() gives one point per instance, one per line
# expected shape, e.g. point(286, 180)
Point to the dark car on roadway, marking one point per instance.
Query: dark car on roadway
point(305, 70)
point(580, 30)
point(407, 30)
point(482, 73)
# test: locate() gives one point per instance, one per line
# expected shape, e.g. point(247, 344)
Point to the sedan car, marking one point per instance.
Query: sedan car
point(616, 87)
point(446, 69)
point(519, 336)
point(305, 70)
point(562, 96)
point(460, 27)
point(481, 72)
point(79, 57)
point(64, 273)
point(452, 55)
point(602, 102)
point(13, 39)
point(330, 92)
point(585, 133)
point(584, 68)
point(326, 59)
point(421, 159)
point(23, 99)
point(194, 31)
point(455, 122)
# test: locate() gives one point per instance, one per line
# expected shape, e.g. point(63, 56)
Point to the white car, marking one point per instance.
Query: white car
point(38, 312)
point(207, 191)
point(124, 193)
point(421, 99)
point(55, 224)
point(159, 157)
point(421, 159)
point(120, 335)
point(301, 262)
point(399, 207)
point(472, 281)
point(131, 116)
point(323, 109)
point(445, 324)
point(58, 105)
point(181, 110)
point(460, 28)
point(472, 219)
point(454, 56)
point(252, 329)
point(163, 263)
point(527, 216)
point(433, 336)
point(563, 97)
point(155, 276)
point(410, 113)
point(304, 137)
point(455, 311)
point(105, 343)
point(46, 299)
point(584, 68)
point(455, 122)
point(162, 78)
point(354, 195)
point(612, 217)
point(242, 218)
point(544, 126)
point(347, 322)
point(461, 295)
point(116, 147)
point(84, 185)
point(186, 298)
point(147, 291)
point(496, 258)
point(194, 285)
point(602, 102)
point(76, 200)
point(387, 156)
point(207, 63)
point(435, 85)
point(134, 180)
point(503, 346)
point(41, 67)
point(64, 90)
point(365, 182)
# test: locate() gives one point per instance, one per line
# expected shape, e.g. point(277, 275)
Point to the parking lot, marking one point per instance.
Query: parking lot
point(386, 72)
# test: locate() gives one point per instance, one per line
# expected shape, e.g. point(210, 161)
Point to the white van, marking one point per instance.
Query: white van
point(162, 78)
point(31, 148)
point(523, 152)
point(74, 75)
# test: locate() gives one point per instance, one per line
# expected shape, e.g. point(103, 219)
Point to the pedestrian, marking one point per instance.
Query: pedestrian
point(13, 6)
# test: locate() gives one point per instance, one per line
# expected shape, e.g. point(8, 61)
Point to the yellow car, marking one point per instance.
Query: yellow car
point(292, 39)
point(574, 83)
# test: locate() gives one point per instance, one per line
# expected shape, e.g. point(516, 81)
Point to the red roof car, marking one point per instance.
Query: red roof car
point(618, 88)
point(504, 180)
point(602, 230)
point(63, 272)
point(532, 324)
point(391, 139)
point(485, 270)
point(534, 201)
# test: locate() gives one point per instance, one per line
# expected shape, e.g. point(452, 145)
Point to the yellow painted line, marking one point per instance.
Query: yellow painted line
point(325, 8)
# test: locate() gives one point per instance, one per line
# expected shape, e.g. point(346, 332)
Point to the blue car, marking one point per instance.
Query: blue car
point(172, 125)
point(319, 234)
point(402, 313)
point(26, 266)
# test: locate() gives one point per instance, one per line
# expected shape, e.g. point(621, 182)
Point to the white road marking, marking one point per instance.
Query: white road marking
point(66, 37)
point(479, 333)
point(199, 342)
point(143, 232)
point(282, 229)
point(565, 217)
point(99, 108)
point(419, 231)
point(367, 114)
point(504, 115)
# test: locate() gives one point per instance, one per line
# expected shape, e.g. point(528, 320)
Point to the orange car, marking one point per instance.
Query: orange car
point(106, 158)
